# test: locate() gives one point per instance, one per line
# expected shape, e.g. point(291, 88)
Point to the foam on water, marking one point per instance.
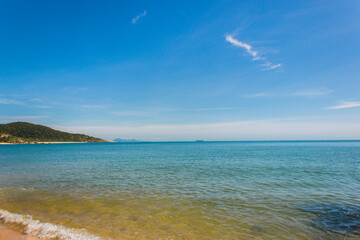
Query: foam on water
point(45, 230)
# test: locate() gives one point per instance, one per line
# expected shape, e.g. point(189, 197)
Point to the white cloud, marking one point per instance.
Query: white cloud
point(259, 95)
point(213, 109)
point(249, 49)
point(197, 109)
point(305, 93)
point(270, 66)
point(41, 106)
point(313, 93)
point(133, 113)
point(10, 101)
point(246, 46)
point(92, 106)
point(345, 105)
point(243, 130)
point(21, 118)
point(154, 111)
point(135, 19)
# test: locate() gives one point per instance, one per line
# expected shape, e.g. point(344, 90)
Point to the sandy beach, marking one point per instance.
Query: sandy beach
point(9, 234)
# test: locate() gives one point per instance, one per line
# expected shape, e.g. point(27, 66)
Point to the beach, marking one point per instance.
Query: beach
point(8, 234)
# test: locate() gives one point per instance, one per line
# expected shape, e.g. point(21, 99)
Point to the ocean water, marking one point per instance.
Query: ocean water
point(209, 190)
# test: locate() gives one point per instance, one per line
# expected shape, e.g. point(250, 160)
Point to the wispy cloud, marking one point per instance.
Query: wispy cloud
point(133, 113)
point(197, 109)
point(10, 101)
point(249, 49)
point(21, 118)
point(135, 19)
point(92, 106)
point(212, 109)
point(255, 95)
point(306, 93)
point(270, 66)
point(246, 46)
point(313, 92)
point(345, 105)
point(242, 130)
point(154, 111)
point(41, 106)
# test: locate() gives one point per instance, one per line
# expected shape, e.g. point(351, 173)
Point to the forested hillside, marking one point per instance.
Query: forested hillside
point(23, 132)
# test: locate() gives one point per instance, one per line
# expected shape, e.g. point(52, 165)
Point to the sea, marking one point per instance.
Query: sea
point(182, 190)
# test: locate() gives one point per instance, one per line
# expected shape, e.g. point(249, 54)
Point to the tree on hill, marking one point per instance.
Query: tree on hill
point(28, 132)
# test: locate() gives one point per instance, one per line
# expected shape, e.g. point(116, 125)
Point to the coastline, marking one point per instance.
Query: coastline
point(32, 229)
point(8, 234)
point(6, 143)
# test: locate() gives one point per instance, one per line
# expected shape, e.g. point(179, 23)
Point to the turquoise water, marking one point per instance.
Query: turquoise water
point(210, 190)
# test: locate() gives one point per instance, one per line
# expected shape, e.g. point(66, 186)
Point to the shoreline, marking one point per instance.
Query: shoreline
point(6, 143)
point(32, 229)
point(7, 233)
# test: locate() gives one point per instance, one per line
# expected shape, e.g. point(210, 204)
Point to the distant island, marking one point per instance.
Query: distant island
point(125, 140)
point(24, 132)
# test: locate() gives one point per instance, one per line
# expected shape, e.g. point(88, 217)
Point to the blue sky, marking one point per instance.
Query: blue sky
point(183, 70)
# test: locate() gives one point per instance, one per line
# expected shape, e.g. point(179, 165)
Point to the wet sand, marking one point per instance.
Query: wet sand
point(9, 234)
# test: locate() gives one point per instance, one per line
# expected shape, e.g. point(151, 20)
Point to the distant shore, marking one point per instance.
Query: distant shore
point(7, 143)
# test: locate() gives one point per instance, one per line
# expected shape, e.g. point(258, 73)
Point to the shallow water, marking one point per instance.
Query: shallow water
point(210, 190)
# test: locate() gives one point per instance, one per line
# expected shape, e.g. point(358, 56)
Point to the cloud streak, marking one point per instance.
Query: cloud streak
point(154, 111)
point(306, 93)
point(313, 93)
point(41, 106)
point(133, 113)
point(10, 101)
point(344, 105)
point(254, 54)
point(255, 95)
point(270, 66)
point(92, 106)
point(137, 18)
point(246, 46)
point(21, 118)
point(242, 130)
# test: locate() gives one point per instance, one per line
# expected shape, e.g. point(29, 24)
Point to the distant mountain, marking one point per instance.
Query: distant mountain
point(125, 140)
point(24, 132)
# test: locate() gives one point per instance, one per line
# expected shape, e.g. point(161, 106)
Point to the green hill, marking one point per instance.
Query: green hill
point(23, 132)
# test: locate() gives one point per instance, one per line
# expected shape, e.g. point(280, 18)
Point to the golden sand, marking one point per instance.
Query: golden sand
point(9, 234)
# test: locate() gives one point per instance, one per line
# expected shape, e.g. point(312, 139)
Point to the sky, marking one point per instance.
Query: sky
point(183, 70)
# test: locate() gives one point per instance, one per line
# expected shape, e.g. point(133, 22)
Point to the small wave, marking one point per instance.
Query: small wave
point(45, 230)
point(25, 189)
